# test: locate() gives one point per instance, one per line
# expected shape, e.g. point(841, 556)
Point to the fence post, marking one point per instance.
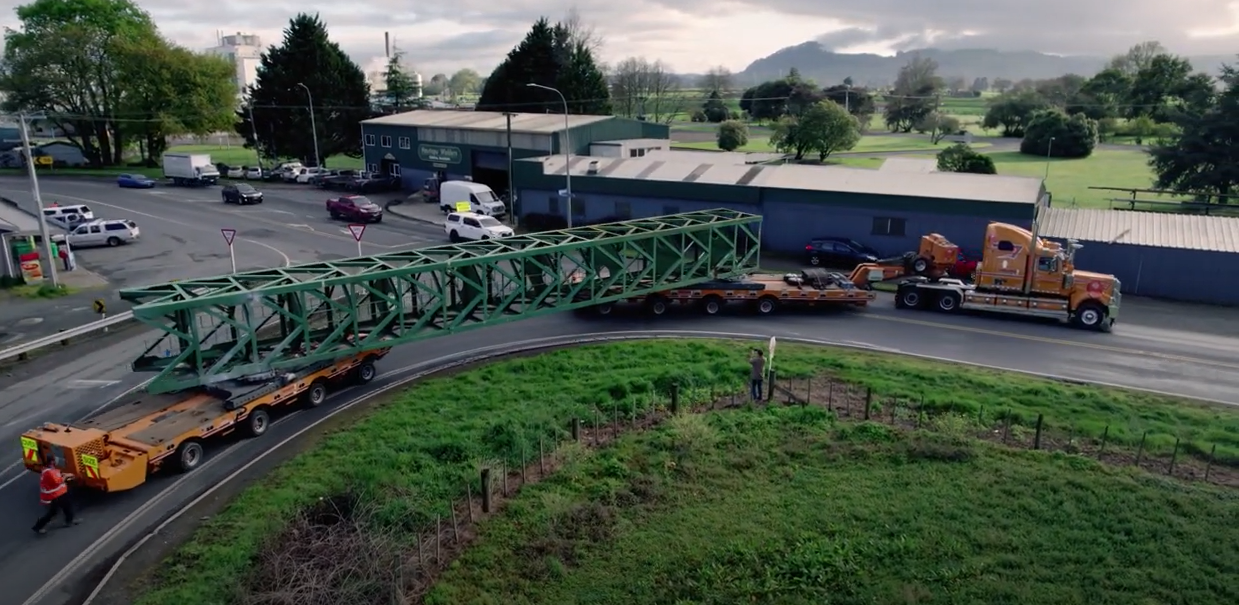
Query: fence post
point(868, 401)
point(1104, 436)
point(524, 464)
point(576, 429)
point(830, 396)
point(1006, 427)
point(920, 409)
point(597, 426)
point(486, 491)
point(808, 391)
point(770, 391)
point(469, 499)
point(541, 458)
point(504, 469)
point(1037, 438)
point(1209, 467)
point(455, 525)
point(675, 398)
point(1174, 457)
point(438, 537)
point(981, 415)
point(421, 549)
point(1140, 451)
point(615, 420)
point(892, 403)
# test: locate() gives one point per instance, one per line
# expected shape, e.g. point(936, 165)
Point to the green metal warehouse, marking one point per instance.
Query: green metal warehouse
point(452, 144)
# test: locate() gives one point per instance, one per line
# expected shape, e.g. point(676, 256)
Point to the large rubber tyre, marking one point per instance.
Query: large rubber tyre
point(114, 241)
point(365, 372)
point(920, 265)
point(948, 302)
point(712, 305)
point(604, 308)
point(1090, 316)
point(657, 305)
point(257, 423)
point(767, 305)
point(453, 236)
point(316, 395)
point(189, 456)
point(815, 260)
point(909, 298)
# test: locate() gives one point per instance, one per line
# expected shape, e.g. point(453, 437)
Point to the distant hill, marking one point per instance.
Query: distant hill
point(826, 67)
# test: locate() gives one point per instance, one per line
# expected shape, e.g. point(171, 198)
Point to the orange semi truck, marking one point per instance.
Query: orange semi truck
point(120, 448)
point(1012, 277)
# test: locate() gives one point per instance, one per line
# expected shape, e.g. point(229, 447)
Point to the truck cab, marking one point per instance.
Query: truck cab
point(481, 199)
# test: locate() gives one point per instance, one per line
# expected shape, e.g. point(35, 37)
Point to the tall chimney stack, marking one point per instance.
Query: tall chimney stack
point(387, 44)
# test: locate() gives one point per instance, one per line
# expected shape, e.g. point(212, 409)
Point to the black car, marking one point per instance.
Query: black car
point(240, 193)
point(838, 252)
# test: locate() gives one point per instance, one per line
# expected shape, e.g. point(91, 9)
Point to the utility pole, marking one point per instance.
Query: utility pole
point(318, 160)
point(254, 129)
point(511, 185)
point(50, 268)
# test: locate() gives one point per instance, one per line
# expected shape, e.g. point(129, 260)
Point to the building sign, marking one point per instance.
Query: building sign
point(440, 154)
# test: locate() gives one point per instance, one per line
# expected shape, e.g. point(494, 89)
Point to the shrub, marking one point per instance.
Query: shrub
point(1053, 133)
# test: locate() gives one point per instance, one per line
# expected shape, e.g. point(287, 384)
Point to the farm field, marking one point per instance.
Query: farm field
point(410, 478)
point(867, 144)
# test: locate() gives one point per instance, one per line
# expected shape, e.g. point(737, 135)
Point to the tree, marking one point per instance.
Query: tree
point(715, 109)
point(1060, 91)
point(955, 84)
point(1011, 111)
point(787, 96)
point(281, 104)
point(1203, 157)
point(67, 61)
point(962, 158)
point(939, 126)
point(1157, 86)
point(717, 79)
point(551, 56)
point(464, 81)
point(732, 135)
point(1137, 58)
point(980, 84)
point(1053, 133)
point(1102, 96)
point(401, 90)
point(579, 33)
point(915, 94)
point(644, 90)
point(1001, 85)
point(437, 85)
point(858, 101)
point(824, 128)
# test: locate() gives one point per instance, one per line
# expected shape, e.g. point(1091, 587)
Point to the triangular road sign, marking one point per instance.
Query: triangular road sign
point(357, 231)
point(229, 235)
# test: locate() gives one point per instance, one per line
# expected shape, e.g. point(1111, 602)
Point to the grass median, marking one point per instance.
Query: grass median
point(417, 450)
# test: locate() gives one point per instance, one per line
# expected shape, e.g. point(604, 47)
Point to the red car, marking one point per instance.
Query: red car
point(965, 266)
point(357, 208)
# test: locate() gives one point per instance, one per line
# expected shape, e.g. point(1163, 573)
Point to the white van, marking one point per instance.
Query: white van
point(482, 199)
point(104, 233)
point(68, 216)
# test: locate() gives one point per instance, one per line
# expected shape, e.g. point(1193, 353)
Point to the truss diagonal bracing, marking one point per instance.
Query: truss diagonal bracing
point(254, 324)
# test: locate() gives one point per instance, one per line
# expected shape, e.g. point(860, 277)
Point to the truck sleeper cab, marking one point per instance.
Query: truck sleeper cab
point(120, 448)
point(761, 293)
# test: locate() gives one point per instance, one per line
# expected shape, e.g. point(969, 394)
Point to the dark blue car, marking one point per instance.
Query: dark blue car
point(838, 252)
point(135, 181)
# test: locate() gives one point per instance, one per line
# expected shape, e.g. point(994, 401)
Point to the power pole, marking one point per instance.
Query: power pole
point(511, 185)
point(50, 268)
point(254, 129)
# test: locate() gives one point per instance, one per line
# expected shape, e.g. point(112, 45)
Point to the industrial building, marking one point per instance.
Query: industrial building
point(449, 144)
point(884, 210)
point(1183, 257)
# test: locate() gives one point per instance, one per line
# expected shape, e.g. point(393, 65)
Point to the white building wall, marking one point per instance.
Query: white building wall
point(244, 51)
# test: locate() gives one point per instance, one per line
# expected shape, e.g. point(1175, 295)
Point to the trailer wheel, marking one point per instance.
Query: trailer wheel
point(189, 456)
point(712, 305)
point(657, 305)
point(908, 298)
point(767, 304)
point(365, 372)
point(920, 265)
point(258, 422)
point(948, 302)
point(604, 308)
point(1090, 316)
point(316, 394)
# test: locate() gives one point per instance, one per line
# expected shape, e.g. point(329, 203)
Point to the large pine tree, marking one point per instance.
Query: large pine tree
point(1204, 157)
point(281, 108)
point(550, 56)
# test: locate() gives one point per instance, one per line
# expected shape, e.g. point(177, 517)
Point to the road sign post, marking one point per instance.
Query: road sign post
point(357, 231)
point(229, 236)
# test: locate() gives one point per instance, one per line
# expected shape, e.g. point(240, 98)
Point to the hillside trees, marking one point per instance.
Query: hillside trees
point(75, 61)
point(552, 56)
point(914, 95)
point(337, 93)
point(1204, 157)
point(645, 90)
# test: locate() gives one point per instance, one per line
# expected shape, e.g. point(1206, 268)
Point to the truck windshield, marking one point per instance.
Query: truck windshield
point(483, 197)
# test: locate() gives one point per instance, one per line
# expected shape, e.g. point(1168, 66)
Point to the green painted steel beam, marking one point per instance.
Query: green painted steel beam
point(256, 324)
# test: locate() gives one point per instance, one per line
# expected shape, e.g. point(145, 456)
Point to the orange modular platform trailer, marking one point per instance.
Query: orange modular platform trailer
point(763, 293)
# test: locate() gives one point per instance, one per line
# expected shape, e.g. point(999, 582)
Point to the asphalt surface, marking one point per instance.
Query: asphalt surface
point(182, 239)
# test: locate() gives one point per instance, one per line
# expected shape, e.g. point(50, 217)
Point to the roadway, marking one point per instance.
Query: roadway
point(1189, 350)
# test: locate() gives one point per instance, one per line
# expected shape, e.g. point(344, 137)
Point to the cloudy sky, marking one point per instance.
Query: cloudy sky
point(692, 35)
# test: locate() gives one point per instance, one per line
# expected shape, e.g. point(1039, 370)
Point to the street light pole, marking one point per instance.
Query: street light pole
point(318, 160)
point(50, 268)
point(567, 148)
point(254, 130)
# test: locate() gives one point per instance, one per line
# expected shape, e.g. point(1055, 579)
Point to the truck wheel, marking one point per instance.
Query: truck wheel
point(920, 265)
point(712, 305)
point(365, 372)
point(766, 305)
point(189, 456)
point(815, 260)
point(453, 236)
point(604, 309)
point(657, 305)
point(948, 302)
point(1090, 316)
point(316, 394)
point(909, 298)
point(258, 422)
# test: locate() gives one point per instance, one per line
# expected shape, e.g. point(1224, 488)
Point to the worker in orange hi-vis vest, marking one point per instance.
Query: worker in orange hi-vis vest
point(54, 494)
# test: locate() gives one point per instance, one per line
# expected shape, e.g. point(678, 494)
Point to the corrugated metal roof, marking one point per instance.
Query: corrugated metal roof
point(712, 157)
point(492, 121)
point(919, 165)
point(836, 179)
point(1155, 229)
point(14, 220)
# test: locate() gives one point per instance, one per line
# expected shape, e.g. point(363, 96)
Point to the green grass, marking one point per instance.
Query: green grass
point(37, 291)
point(965, 106)
point(415, 451)
point(867, 144)
point(782, 506)
point(1070, 180)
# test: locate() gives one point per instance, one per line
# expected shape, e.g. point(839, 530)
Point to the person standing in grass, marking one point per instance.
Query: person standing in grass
point(757, 361)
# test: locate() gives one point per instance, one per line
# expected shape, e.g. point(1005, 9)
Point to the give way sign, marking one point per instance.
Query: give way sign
point(229, 235)
point(357, 231)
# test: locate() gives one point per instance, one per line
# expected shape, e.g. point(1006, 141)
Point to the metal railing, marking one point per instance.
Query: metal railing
point(21, 351)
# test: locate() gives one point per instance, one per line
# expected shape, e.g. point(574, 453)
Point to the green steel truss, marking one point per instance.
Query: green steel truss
point(255, 324)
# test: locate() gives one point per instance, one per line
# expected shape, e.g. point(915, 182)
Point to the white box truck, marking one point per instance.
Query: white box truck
point(190, 169)
point(481, 199)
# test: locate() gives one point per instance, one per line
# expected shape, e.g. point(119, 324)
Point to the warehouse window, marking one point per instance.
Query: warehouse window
point(668, 209)
point(888, 226)
point(405, 143)
point(623, 210)
point(370, 140)
point(385, 141)
point(372, 168)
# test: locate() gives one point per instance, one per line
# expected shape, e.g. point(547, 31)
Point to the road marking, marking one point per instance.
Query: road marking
point(90, 384)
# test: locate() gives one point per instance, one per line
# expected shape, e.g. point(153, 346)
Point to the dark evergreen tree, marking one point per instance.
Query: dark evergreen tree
point(548, 56)
point(281, 107)
point(1204, 157)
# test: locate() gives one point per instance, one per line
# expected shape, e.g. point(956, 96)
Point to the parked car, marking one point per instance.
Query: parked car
point(235, 172)
point(339, 180)
point(838, 252)
point(317, 179)
point(241, 193)
point(103, 233)
point(966, 266)
point(135, 181)
point(471, 226)
point(357, 208)
point(374, 184)
point(254, 173)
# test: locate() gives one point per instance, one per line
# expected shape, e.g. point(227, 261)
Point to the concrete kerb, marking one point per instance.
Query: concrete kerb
point(393, 207)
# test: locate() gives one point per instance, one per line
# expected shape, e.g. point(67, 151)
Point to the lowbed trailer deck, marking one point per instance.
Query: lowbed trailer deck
point(120, 448)
point(763, 293)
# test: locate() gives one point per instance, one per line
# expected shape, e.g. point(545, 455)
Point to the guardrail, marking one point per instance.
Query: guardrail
point(22, 351)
